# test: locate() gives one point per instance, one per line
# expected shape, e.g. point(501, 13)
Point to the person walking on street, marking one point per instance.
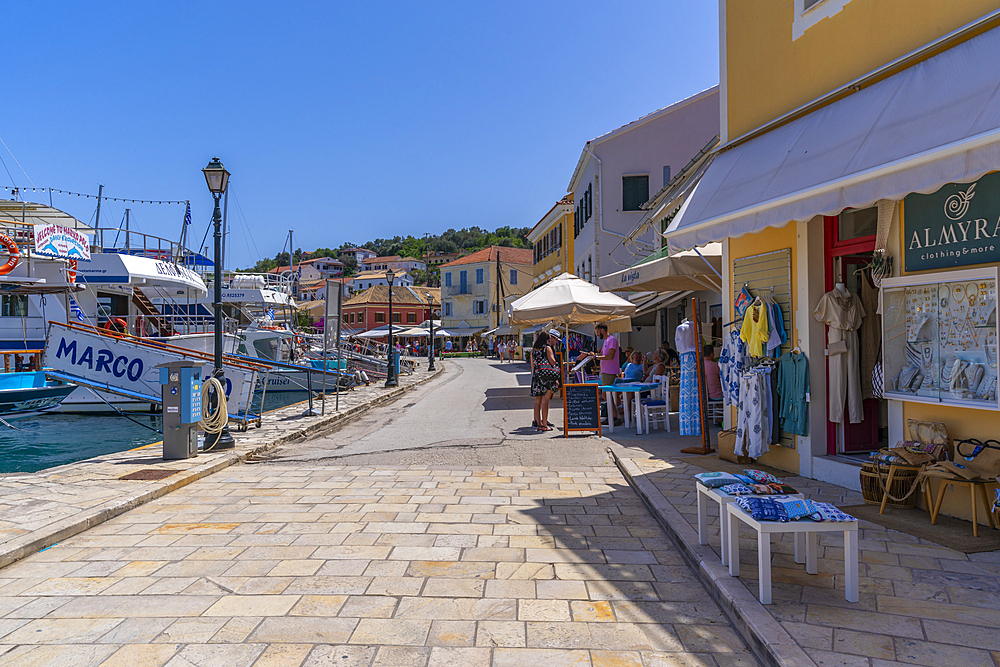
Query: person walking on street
point(501, 348)
point(609, 363)
point(544, 378)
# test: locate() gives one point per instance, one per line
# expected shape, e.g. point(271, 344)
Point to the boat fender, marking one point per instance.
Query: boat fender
point(71, 274)
point(15, 255)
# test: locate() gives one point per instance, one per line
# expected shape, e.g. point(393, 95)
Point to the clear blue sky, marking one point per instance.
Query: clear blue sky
point(342, 121)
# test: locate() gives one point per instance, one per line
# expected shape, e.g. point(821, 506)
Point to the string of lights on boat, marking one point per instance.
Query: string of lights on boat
point(19, 190)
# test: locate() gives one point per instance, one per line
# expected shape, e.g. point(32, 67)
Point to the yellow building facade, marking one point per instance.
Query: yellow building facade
point(552, 242)
point(815, 204)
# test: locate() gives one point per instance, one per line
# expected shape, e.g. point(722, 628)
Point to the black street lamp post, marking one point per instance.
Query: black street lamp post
point(390, 373)
point(430, 349)
point(218, 180)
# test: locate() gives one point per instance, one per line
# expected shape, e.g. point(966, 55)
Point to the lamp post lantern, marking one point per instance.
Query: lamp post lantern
point(390, 373)
point(430, 350)
point(217, 179)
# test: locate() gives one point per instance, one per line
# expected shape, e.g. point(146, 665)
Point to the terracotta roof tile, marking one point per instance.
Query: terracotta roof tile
point(400, 295)
point(507, 256)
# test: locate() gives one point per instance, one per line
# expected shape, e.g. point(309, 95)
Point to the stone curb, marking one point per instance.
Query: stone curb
point(43, 538)
point(768, 640)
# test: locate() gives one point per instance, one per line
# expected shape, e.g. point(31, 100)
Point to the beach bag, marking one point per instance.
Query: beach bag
point(979, 456)
point(929, 433)
point(827, 512)
point(796, 508)
point(878, 376)
point(762, 509)
point(743, 301)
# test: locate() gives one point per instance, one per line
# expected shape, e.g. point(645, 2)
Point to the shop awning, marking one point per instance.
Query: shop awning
point(934, 123)
point(698, 269)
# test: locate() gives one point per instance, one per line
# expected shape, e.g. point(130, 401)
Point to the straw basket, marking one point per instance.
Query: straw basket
point(873, 477)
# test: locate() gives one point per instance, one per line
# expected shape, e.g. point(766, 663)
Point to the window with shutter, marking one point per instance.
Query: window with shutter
point(513, 276)
point(479, 276)
point(395, 318)
point(411, 318)
point(635, 192)
point(447, 279)
point(379, 317)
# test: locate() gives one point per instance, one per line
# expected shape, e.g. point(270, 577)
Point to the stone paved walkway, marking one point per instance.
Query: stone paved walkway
point(921, 603)
point(37, 509)
point(272, 565)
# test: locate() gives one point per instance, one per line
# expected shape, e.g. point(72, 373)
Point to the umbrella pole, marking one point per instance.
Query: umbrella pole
point(706, 446)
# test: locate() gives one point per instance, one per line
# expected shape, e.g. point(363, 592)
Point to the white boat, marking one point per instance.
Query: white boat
point(113, 290)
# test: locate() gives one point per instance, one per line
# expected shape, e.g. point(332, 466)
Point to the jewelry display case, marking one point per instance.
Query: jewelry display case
point(939, 338)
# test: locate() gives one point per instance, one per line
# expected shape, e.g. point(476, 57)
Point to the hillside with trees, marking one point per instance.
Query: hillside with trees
point(462, 240)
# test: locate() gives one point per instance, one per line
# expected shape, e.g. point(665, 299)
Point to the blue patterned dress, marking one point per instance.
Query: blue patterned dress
point(689, 418)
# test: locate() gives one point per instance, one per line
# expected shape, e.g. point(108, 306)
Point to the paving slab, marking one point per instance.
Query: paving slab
point(43, 508)
point(921, 603)
point(455, 604)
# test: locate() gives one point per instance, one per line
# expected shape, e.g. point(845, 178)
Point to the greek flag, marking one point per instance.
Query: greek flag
point(270, 312)
point(76, 310)
point(187, 214)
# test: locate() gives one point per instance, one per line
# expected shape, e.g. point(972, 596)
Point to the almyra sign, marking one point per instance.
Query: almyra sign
point(956, 226)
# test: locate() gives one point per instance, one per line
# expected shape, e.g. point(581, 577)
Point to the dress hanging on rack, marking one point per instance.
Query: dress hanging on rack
point(755, 330)
point(793, 392)
point(732, 362)
point(842, 312)
point(689, 418)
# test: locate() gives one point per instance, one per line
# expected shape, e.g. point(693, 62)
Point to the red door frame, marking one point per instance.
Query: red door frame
point(833, 248)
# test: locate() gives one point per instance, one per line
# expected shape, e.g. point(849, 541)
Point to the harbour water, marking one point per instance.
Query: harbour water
point(56, 439)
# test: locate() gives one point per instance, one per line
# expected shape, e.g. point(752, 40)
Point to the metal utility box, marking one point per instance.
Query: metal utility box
point(181, 394)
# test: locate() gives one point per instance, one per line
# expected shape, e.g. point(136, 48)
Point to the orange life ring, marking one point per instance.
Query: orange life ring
point(117, 325)
point(71, 274)
point(15, 255)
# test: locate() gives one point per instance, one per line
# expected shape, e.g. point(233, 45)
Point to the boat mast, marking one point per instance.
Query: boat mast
point(100, 191)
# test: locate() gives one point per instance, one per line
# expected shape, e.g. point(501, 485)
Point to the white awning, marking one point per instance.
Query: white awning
point(934, 123)
point(114, 269)
point(698, 269)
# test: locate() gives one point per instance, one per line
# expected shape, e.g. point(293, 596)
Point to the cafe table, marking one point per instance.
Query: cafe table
point(626, 388)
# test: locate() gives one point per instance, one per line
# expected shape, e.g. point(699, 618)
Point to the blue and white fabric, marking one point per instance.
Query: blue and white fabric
point(737, 490)
point(732, 362)
point(714, 480)
point(796, 508)
point(761, 477)
point(689, 418)
point(827, 512)
point(762, 509)
point(753, 420)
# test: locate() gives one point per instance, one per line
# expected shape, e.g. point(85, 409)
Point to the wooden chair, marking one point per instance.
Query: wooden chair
point(656, 408)
point(973, 485)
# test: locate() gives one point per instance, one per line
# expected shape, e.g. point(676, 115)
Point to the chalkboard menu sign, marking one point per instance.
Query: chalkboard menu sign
point(581, 408)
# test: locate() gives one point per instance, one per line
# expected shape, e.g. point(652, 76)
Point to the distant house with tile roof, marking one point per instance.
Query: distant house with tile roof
point(473, 288)
point(410, 306)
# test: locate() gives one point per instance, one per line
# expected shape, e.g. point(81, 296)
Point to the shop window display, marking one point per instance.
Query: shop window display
point(940, 338)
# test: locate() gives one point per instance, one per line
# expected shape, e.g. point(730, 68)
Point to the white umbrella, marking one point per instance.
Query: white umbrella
point(567, 299)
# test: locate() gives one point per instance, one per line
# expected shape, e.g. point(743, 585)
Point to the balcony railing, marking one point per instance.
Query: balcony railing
point(468, 289)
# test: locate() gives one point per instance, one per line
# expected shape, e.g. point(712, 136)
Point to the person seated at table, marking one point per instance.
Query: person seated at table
point(633, 369)
point(656, 368)
point(627, 357)
point(669, 355)
point(713, 379)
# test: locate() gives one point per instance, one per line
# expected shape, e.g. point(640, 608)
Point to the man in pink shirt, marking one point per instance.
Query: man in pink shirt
point(713, 379)
point(609, 362)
